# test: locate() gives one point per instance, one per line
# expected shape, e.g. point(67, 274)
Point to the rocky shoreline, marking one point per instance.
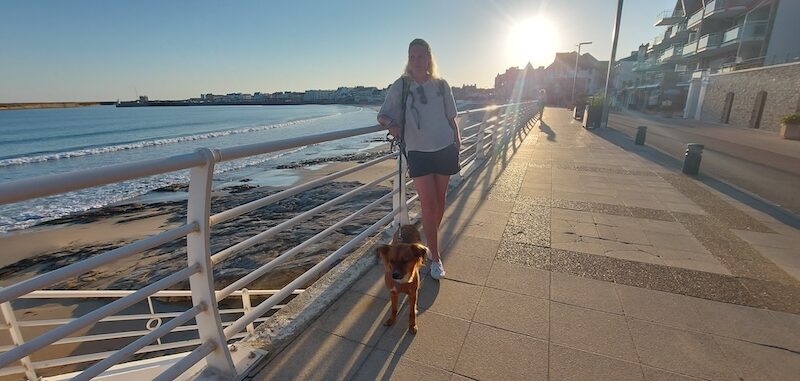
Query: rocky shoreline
point(154, 264)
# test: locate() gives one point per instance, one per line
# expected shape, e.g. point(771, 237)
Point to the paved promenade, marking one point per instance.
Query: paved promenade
point(757, 161)
point(574, 257)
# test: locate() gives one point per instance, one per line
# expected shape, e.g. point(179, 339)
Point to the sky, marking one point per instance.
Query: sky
point(82, 50)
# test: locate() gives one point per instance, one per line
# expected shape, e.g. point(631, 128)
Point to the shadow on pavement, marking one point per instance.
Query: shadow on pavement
point(551, 135)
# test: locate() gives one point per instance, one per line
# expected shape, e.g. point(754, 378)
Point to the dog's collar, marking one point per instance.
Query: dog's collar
point(406, 280)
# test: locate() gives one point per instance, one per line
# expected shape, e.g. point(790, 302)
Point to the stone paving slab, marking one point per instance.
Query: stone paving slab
point(573, 364)
point(713, 303)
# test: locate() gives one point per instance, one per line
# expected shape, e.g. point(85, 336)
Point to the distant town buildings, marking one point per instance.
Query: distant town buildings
point(556, 79)
point(343, 95)
point(358, 94)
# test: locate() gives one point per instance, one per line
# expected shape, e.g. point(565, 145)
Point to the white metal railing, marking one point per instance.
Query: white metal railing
point(669, 14)
point(151, 320)
point(215, 326)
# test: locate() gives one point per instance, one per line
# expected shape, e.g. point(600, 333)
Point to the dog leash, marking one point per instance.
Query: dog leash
point(394, 142)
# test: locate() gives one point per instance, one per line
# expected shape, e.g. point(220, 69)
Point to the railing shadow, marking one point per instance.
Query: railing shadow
point(385, 358)
point(454, 224)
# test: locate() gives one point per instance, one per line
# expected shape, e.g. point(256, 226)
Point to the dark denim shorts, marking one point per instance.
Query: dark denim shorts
point(442, 162)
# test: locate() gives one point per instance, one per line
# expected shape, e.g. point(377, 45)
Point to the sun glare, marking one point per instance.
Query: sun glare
point(532, 40)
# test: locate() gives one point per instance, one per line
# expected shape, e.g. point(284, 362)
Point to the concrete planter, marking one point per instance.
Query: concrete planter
point(577, 112)
point(790, 131)
point(592, 116)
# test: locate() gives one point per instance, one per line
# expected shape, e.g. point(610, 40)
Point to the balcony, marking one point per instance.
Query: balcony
point(726, 8)
point(671, 54)
point(690, 49)
point(731, 35)
point(683, 77)
point(678, 30)
point(695, 19)
point(660, 39)
point(753, 31)
point(709, 42)
point(669, 17)
point(647, 65)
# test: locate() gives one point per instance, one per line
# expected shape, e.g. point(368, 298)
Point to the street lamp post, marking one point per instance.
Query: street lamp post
point(614, 37)
point(575, 77)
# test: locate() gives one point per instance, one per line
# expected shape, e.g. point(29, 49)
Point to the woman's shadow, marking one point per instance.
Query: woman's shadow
point(551, 135)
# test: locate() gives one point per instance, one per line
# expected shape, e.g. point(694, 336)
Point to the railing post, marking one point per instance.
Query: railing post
point(456, 178)
point(481, 154)
point(510, 123)
point(209, 323)
point(247, 308)
point(16, 337)
point(399, 200)
point(506, 123)
point(495, 129)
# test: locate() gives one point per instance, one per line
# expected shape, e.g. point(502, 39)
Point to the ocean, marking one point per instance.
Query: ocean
point(48, 141)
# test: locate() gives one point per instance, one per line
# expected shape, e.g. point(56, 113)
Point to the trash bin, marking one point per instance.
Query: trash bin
point(691, 161)
point(641, 133)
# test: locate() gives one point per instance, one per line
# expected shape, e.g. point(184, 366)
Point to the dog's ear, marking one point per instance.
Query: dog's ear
point(381, 251)
point(419, 250)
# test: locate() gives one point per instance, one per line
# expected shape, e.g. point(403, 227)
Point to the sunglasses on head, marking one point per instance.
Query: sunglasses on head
point(422, 98)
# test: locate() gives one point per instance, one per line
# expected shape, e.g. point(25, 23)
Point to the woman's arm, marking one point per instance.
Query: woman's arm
point(389, 124)
point(391, 109)
point(456, 132)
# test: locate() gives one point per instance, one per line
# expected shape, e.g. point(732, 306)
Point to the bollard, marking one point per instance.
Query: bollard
point(641, 133)
point(691, 163)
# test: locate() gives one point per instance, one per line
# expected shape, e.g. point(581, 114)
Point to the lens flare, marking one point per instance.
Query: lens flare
point(532, 40)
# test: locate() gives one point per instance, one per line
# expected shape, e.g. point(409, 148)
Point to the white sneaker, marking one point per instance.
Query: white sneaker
point(437, 270)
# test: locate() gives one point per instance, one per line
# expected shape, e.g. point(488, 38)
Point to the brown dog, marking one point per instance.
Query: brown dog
point(401, 262)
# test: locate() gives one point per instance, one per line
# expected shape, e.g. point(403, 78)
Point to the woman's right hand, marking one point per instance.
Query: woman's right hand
point(394, 130)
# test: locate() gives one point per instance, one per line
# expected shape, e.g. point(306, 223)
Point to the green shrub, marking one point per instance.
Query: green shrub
point(791, 118)
point(597, 101)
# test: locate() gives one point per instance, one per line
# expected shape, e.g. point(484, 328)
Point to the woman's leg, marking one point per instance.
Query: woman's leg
point(442, 181)
point(431, 216)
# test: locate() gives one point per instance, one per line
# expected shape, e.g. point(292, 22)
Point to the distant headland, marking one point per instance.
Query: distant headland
point(37, 105)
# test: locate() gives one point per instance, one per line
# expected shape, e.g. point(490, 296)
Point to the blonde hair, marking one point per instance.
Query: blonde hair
point(432, 69)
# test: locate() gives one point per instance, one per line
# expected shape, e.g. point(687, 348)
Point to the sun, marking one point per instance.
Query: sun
point(532, 40)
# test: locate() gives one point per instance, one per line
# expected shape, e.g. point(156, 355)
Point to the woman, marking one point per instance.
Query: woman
point(431, 137)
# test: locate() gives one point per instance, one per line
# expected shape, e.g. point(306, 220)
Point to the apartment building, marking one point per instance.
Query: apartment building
point(560, 77)
point(702, 38)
